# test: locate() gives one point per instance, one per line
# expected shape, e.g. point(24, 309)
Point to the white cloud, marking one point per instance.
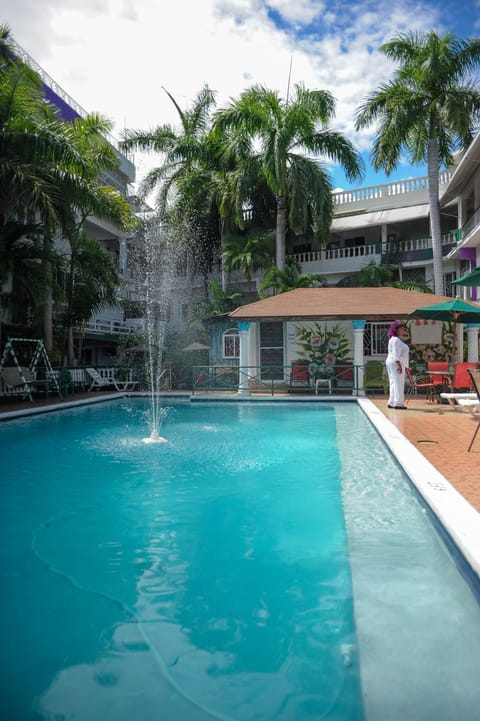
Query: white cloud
point(114, 57)
point(301, 11)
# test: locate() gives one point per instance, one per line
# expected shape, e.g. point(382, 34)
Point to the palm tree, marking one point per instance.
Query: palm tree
point(7, 54)
point(248, 253)
point(180, 179)
point(374, 276)
point(285, 131)
point(92, 285)
point(220, 301)
point(428, 110)
point(289, 278)
point(91, 197)
point(49, 176)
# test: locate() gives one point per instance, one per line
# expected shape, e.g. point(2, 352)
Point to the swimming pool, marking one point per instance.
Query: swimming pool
point(270, 561)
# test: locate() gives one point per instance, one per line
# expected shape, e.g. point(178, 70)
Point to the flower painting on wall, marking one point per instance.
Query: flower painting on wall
point(437, 349)
point(323, 347)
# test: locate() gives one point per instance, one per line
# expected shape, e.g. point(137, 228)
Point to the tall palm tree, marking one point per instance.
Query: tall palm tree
point(428, 110)
point(180, 180)
point(285, 132)
point(49, 174)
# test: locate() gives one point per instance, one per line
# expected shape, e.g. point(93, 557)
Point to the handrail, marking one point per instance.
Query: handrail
point(345, 377)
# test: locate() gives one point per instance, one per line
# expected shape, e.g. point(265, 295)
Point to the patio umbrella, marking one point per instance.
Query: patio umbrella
point(196, 346)
point(454, 311)
point(472, 278)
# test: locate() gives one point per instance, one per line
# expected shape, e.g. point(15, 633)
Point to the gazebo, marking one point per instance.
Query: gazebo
point(358, 305)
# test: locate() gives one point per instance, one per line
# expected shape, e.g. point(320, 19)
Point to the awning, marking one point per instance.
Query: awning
point(380, 217)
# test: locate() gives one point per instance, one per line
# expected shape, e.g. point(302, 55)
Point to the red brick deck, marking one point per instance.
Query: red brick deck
point(442, 434)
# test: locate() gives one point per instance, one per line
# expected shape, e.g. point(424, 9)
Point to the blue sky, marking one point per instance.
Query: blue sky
point(114, 57)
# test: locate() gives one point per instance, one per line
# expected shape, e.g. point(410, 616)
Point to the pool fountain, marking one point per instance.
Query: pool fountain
point(155, 270)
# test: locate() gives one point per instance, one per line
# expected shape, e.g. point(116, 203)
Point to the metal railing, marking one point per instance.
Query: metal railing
point(112, 327)
point(345, 379)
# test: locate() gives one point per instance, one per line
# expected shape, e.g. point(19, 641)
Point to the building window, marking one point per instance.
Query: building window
point(271, 350)
point(375, 339)
point(231, 343)
point(447, 284)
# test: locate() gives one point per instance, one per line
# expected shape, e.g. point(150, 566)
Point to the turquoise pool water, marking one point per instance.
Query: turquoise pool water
point(211, 577)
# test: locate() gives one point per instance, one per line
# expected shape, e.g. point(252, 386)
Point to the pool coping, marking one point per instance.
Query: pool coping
point(459, 519)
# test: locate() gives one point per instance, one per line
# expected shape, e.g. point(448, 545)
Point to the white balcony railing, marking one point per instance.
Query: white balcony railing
point(471, 224)
point(388, 190)
point(350, 260)
point(108, 327)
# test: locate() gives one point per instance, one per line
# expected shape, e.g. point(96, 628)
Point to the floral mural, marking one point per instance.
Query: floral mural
point(423, 353)
point(323, 347)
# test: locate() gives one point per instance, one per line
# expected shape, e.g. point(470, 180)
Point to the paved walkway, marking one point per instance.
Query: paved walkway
point(440, 432)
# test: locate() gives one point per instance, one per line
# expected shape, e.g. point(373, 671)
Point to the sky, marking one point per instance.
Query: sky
point(116, 57)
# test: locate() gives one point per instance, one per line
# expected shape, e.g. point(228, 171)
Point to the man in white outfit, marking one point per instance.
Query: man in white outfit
point(397, 361)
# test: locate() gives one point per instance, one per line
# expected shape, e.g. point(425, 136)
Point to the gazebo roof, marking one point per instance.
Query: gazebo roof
point(372, 304)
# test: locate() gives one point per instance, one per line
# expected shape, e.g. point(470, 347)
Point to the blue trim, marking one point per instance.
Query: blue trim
point(243, 325)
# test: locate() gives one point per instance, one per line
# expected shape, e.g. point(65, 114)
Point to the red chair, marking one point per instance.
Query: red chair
point(416, 384)
point(299, 375)
point(439, 374)
point(462, 380)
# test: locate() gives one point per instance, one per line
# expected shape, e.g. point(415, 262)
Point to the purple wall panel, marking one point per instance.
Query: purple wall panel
point(66, 111)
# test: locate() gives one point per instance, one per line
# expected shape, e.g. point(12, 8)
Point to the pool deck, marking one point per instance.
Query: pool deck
point(442, 434)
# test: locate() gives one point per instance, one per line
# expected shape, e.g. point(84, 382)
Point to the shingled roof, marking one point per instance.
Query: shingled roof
point(372, 304)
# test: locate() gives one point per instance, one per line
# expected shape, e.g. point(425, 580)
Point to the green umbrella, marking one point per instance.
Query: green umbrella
point(455, 311)
point(472, 278)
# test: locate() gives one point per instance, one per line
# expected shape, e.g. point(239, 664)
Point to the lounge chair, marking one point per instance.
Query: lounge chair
point(460, 400)
point(98, 381)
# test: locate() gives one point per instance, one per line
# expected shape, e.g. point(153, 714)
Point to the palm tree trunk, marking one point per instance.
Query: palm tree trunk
point(281, 232)
point(47, 310)
point(70, 347)
point(224, 271)
point(435, 229)
point(69, 301)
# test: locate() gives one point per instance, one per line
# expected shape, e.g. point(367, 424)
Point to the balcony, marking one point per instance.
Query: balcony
point(352, 259)
point(102, 327)
point(387, 195)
